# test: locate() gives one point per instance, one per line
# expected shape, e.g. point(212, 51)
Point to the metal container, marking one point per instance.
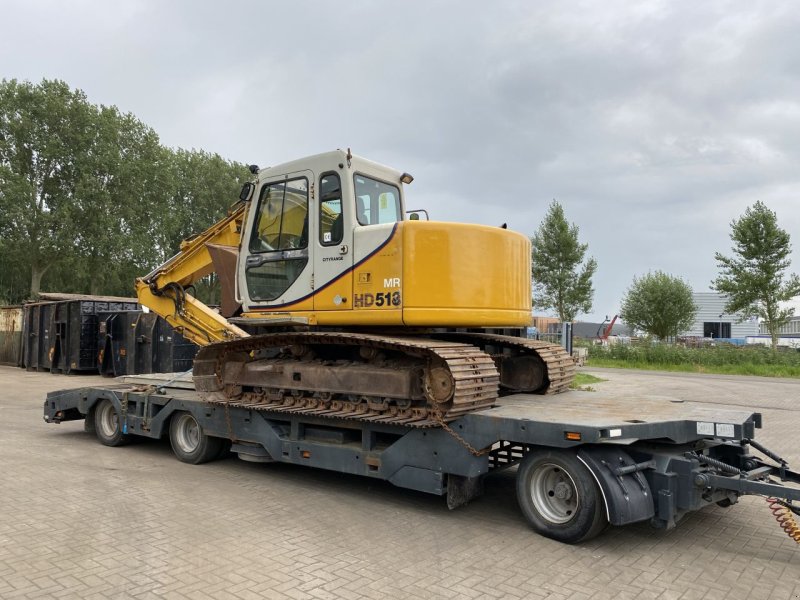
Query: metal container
point(76, 326)
point(133, 343)
point(116, 342)
point(159, 348)
point(176, 353)
point(37, 336)
point(11, 318)
point(61, 336)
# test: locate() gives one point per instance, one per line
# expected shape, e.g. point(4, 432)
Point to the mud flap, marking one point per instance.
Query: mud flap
point(626, 495)
point(461, 490)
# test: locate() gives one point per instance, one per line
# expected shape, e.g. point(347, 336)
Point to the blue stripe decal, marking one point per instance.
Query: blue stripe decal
point(332, 281)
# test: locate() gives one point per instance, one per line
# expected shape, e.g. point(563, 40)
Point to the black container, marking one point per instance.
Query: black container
point(159, 348)
point(38, 337)
point(132, 343)
point(62, 336)
point(76, 327)
point(116, 342)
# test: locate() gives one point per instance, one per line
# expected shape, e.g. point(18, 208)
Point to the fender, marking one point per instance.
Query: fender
point(627, 495)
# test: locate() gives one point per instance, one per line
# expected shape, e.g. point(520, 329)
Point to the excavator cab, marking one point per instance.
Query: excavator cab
point(335, 278)
point(311, 222)
point(323, 241)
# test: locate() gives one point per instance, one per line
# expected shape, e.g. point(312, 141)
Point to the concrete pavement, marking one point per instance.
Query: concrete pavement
point(80, 520)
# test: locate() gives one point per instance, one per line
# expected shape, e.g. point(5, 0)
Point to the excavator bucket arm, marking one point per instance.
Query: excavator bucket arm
point(164, 289)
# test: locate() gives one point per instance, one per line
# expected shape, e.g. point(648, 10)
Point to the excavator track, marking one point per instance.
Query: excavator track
point(556, 367)
point(411, 381)
point(434, 381)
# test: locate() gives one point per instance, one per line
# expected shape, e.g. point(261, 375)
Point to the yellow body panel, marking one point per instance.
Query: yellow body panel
point(331, 318)
point(463, 275)
point(430, 274)
point(342, 287)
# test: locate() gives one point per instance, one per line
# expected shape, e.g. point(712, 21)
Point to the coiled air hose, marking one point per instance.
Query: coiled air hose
point(784, 515)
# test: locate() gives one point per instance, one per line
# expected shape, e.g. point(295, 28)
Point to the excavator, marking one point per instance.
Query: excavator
point(338, 302)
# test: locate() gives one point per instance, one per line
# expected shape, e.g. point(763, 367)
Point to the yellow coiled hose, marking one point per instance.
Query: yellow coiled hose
point(785, 518)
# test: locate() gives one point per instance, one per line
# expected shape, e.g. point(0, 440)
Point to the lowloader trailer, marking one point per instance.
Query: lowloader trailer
point(585, 459)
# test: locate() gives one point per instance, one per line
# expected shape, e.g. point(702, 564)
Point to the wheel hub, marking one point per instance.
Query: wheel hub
point(562, 491)
point(554, 493)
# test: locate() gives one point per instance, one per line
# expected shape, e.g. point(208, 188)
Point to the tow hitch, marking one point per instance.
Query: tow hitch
point(756, 477)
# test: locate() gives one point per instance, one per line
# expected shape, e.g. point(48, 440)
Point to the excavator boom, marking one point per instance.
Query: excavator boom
point(163, 289)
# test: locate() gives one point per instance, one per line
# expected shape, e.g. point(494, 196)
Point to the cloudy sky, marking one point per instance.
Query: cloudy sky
point(653, 123)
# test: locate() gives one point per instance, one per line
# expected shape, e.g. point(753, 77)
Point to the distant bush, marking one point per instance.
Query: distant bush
point(751, 359)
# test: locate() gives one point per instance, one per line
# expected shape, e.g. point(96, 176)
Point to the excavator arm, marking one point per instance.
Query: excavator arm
point(164, 289)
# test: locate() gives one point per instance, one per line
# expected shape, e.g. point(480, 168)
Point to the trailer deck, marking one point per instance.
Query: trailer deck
point(590, 417)
point(651, 457)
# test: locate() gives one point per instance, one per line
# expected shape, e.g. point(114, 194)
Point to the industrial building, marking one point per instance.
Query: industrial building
point(711, 320)
point(791, 329)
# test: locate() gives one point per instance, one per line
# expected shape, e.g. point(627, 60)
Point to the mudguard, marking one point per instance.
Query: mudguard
point(627, 497)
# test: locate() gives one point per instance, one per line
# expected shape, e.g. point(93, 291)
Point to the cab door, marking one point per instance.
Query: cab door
point(333, 256)
point(278, 261)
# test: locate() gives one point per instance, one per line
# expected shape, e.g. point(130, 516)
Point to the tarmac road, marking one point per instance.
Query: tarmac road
point(80, 520)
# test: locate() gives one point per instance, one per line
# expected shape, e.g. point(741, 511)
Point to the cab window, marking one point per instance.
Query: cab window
point(281, 237)
point(282, 217)
point(331, 226)
point(376, 201)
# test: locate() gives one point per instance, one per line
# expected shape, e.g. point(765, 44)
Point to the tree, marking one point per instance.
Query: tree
point(89, 198)
point(43, 135)
point(202, 187)
point(659, 304)
point(115, 192)
point(74, 179)
point(754, 278)
point(561, 280)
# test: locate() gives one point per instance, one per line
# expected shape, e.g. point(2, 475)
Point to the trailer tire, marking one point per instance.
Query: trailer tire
point(559, 496)
point(189, 443)
point(107, 427)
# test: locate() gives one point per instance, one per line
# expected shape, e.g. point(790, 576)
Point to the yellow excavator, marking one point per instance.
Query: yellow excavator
point(338, 302)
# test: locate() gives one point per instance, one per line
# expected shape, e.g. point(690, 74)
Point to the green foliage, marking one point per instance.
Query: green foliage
point(89, 198)
point(582, 382)
point(740, 360)
point(754, 278)
point(202, 187)
point(561, 280)
point(44, 141)
point(659, 304)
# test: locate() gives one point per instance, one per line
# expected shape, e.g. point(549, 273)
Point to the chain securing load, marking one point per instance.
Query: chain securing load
point(417, 382)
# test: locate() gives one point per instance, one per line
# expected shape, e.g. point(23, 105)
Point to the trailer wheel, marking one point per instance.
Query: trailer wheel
point(106, 425)
point(188, 441)
point(559, 497)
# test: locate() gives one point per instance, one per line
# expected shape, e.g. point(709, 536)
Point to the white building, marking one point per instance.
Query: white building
point(791, 329)
point(711, 320)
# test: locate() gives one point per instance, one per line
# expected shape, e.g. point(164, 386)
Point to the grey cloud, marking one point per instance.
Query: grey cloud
point(653, 123)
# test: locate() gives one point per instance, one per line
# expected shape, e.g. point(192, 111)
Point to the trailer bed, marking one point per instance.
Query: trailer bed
point(634, 459)
point(598, 416)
